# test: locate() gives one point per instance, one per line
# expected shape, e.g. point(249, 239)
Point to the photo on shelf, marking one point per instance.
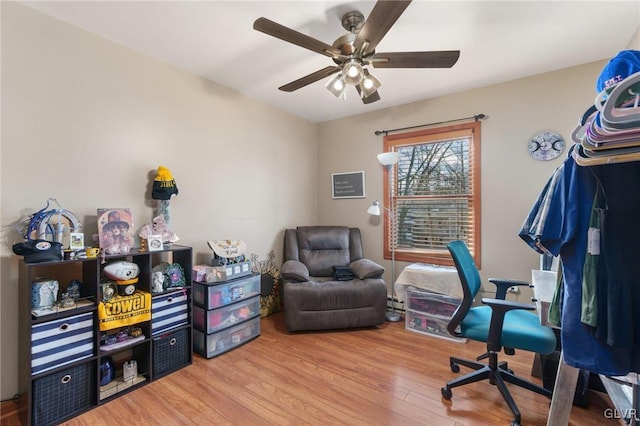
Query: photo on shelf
point(154, 242)
point(76, 241)
point(115, 230)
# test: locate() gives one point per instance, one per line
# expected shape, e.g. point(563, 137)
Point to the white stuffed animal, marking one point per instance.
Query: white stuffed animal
point(159, 227)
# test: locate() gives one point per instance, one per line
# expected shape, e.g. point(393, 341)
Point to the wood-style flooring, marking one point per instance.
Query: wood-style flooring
point(375, 376)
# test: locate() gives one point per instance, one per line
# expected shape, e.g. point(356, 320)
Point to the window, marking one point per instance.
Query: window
point(435, 190)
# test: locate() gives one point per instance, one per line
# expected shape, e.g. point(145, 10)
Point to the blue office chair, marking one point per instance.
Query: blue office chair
point(501, 324)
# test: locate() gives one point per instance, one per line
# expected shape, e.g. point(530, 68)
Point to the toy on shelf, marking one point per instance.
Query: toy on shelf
point(164, 189)
point(158, 226)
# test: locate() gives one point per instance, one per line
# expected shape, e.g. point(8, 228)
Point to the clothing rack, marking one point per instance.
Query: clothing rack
point(607, 138)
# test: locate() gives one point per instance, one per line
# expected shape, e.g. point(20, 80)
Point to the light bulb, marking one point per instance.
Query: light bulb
point(336, 85)
point(353, 72)
point(369, 84)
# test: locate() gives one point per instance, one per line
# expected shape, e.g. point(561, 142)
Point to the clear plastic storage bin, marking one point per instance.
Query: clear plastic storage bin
point(212, 295)
point(429, 325)
point(211, 345)
point(429, 313)
point(434, 304)
point(214, 320)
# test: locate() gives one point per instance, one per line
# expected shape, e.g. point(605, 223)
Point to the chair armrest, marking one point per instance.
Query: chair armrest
point(365, 268)
point(502, 285)
point(294, 270)
point(499, 308)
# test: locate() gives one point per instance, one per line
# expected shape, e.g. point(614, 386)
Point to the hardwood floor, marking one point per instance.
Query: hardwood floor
point(377, 376)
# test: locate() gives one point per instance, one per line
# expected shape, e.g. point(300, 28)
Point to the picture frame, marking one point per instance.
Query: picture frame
point(115, 230)
point(76, 241)
point(347, 185)
point(154, 242)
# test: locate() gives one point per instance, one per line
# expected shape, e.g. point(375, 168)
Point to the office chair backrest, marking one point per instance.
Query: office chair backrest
point(470, 279)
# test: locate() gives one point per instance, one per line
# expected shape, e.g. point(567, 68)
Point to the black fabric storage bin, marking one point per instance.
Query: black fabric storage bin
point(60, 395)
point(171, 351)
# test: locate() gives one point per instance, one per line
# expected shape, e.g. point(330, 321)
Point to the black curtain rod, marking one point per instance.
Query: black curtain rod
point(475, 117)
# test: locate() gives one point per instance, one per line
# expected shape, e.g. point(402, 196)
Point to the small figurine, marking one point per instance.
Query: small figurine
point(122, 336)
point(157, 285)
point(67, 301)
point(73, 289)
point(135, 332)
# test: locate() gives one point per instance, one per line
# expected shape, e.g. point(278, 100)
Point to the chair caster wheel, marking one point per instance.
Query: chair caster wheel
point(514, 423)
point(455, 368)
point(446, 393)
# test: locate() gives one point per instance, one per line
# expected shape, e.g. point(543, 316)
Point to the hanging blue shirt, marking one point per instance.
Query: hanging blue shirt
point(564, 233)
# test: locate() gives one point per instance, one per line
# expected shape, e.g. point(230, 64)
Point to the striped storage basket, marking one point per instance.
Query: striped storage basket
point(169, 311)
point(61, 342)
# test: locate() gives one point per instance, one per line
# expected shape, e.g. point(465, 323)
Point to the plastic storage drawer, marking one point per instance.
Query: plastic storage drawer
point(210, 345)
point(434, 304)
point(169, 311)
point(428, 324)
point(217, 319)
point(215, 295)
point(60, 342)
point(171, 352)
point(63, 394)
point(212, 274)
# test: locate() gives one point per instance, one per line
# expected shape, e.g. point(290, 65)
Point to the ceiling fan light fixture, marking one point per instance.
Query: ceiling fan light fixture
point(369, 84)
point(352, 72)
point(353, 51)
point(336, 85)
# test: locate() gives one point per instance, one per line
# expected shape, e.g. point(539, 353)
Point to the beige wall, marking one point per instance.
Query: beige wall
point(511, 180)
point(88, 122)
point(634, 43)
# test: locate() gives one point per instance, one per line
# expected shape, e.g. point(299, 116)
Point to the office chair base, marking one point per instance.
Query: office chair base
point(497, 374)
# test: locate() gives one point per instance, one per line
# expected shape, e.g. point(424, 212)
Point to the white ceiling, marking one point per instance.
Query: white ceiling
point(498, 40)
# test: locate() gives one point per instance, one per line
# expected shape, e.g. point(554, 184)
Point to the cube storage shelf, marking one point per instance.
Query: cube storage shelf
point(226, 314)
point(60, 350)
point(429, 313)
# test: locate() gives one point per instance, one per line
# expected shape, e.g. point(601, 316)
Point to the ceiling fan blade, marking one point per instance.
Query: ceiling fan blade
point(380, 20)
point(369, 99)
point(374, 97)
point(292, 36)
point(436, 59)
point(308, 79)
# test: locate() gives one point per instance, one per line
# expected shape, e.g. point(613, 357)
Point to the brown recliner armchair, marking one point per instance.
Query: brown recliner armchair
point(313, 299)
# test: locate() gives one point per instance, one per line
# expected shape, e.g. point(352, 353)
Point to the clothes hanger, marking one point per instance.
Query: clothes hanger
point(600, 138)
point(589, 130)
point(582, 159)
point(621, 108)
point(588, 152)
point(581, 129)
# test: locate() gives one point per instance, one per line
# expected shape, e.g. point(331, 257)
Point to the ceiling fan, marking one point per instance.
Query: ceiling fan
point(355, 50)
